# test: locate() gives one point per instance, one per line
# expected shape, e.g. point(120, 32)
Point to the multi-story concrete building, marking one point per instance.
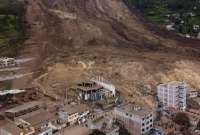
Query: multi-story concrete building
point(136, 119)
point(172, 95)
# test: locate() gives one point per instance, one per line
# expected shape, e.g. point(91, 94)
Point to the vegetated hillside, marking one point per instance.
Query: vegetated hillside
point(12, 33)
point(11, 27)
point(79, 39)
point(182, 16)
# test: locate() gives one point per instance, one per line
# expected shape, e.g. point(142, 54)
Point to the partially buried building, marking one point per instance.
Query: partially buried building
point(91, 91)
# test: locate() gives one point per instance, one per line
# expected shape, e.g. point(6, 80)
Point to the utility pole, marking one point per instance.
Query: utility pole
point(65, 100)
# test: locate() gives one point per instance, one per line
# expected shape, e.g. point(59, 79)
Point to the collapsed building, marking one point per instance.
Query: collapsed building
point(18, 95)
point(106, 125)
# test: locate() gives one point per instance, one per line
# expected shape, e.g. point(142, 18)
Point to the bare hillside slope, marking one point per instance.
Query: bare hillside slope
point(78, 39)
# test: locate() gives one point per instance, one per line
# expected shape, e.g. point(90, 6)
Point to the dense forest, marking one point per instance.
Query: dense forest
point(11, 26)
point(182, 16)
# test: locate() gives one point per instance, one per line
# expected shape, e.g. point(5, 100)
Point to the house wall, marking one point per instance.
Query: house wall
point(90, 95)
point(134, 127)
point(107, 86)
point(72, 118)
point(135, 124)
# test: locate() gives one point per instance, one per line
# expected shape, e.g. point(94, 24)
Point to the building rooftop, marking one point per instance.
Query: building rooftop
point(135, 109)
point(88, 86)
point(174, 83)
point(12, 92)
point(76, 130)
point(75, 108)
point(192, 90)
point(24, 107)
point(39, 118)
point(192, 113)
point(10, 127)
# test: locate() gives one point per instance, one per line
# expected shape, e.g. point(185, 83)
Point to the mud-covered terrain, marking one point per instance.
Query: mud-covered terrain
point(79, 39)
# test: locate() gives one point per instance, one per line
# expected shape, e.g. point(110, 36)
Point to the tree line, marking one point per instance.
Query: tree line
point(176, 5)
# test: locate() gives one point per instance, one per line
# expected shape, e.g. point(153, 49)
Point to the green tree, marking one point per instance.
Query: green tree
point(143, 4)
point(97, 132)
point(123, 131)
point(178, 5)
point(170, 133)
point(198, 125)
point(182, 119)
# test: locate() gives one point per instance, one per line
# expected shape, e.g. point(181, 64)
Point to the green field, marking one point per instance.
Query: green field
point(11, 27)
point(183, 13)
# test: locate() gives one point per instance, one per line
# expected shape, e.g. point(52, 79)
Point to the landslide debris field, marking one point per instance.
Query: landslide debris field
point(79, 39)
